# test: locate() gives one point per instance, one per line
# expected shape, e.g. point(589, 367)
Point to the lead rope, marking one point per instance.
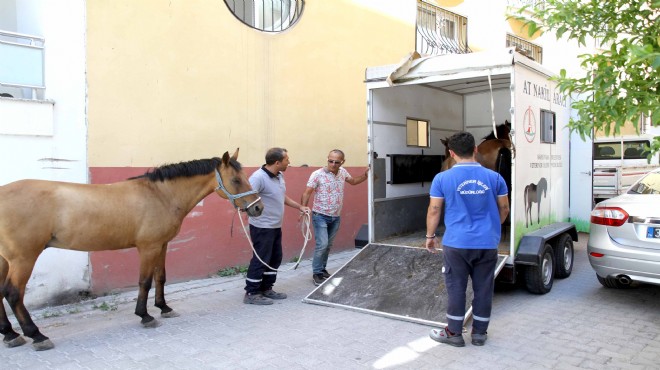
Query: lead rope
point(304, 229)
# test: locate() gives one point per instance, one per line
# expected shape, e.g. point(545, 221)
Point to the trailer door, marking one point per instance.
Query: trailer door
point(581, 185)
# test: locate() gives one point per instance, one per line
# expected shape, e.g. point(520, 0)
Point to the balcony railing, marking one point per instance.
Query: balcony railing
point(526, 48)
point(440, 31)
point(21, 64)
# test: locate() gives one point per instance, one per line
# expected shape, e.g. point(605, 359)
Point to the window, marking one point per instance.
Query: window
point(637, 149)
point(267, 15)
point(547, 126)
point(524, 47)
point(417, 133)
point(440, 31)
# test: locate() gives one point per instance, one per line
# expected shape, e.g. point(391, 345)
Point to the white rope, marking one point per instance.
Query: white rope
point(492, 106)
point(304, 228)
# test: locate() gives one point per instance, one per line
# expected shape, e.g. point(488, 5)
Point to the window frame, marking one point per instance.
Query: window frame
point(545, 130)
point(410, 122)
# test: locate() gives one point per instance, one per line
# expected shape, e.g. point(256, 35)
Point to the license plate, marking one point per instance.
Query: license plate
point(653, 233)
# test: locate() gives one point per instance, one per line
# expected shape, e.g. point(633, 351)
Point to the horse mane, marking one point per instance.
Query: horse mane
point(185, 169)
point(503, 130)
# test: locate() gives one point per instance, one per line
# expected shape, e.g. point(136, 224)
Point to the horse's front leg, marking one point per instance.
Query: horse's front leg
point(11, 338)
point(148, 258)
point(159, 279)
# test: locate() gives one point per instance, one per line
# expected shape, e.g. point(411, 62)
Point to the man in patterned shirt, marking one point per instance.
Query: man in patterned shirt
point(328, 182)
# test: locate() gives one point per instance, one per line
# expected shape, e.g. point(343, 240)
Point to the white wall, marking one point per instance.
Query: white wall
point(391, 107)
point(63, 154)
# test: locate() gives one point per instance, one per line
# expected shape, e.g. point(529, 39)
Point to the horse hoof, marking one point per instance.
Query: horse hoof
point(18, 341)
point(169, 315)
point(151, 324)
point(43, 345)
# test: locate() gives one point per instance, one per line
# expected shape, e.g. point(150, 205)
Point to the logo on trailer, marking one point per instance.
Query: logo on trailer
point(529, 124)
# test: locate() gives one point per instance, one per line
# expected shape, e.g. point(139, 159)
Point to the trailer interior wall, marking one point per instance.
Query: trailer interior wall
point(402, 208)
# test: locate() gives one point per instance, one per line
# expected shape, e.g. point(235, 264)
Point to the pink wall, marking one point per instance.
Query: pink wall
point(207, 241)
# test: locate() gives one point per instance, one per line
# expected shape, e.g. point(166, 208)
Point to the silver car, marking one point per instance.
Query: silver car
point(624, 240)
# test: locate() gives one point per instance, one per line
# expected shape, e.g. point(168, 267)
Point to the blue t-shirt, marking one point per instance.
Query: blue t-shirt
point(472, 217)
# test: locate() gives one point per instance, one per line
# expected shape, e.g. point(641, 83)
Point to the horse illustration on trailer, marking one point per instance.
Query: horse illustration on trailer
point(533, 194)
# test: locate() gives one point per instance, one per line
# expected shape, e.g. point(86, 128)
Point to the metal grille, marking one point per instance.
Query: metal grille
point(440, 31)
point(526, 48)
point(267, 15)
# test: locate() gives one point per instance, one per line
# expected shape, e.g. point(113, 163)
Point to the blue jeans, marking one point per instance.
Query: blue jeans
point(325, 230)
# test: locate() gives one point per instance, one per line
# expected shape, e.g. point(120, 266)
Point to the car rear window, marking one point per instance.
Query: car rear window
point(630, 149)
point(650, 184)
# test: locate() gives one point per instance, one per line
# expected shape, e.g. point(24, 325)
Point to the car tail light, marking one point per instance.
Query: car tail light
point(596, 254)
point(609, 216)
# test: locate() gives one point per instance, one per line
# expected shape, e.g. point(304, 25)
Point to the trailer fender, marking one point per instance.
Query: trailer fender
point(530, 249)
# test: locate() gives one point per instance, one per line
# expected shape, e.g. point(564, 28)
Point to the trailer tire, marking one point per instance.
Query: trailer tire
point(539, 279)
point(563, 247)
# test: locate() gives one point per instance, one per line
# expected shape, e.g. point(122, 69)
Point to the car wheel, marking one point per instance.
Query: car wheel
point(538, 279)
point(610, 282)
point(563, 248)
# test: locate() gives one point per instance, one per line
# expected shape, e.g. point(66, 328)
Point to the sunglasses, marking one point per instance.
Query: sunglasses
point(335, 162)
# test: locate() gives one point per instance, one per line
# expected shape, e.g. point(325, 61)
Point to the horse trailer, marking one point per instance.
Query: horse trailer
point(411, 107)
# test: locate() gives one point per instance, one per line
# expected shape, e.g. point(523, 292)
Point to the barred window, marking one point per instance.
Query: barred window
point(440, 31)
point(526, 48)
point(267, 15)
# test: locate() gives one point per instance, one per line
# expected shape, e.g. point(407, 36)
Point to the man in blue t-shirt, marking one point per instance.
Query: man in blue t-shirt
point(476, 204)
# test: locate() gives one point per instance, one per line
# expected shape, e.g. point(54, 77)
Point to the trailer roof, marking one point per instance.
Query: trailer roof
point(458, 73)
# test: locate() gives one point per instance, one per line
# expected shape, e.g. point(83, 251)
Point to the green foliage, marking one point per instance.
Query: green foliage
point(621, 83)
point(106, 307)
point(231, 271)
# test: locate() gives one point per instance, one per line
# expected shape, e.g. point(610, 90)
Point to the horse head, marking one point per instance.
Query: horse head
point(234, 186)
point(449, 162)
point(503, 131)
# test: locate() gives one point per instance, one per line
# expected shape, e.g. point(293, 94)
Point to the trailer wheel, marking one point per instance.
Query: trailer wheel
point(539, 278)
point(563, 247)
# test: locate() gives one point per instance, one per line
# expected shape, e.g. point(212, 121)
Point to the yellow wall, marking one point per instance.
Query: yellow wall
point(183, 79)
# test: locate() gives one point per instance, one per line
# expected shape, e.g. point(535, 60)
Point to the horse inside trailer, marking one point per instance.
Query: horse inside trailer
point(411, 108)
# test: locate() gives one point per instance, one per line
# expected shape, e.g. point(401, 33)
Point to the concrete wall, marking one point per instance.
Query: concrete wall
point(173, 81)
point(55, 148)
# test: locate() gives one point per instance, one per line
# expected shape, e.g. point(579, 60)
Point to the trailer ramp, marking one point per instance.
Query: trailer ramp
point(394, 281)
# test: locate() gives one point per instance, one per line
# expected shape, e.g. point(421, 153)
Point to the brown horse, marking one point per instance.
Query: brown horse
point(144, 212)
point(489, 153)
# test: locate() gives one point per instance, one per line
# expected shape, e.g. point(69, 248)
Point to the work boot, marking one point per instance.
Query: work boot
point(273, 294)
point(256, 298)
point(442, 335)
point(479, 339)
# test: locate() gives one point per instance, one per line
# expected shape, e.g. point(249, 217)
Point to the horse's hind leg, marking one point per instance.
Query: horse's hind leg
point(14, 290)
point(148, 257)
point(11, 338)
point(159, 279)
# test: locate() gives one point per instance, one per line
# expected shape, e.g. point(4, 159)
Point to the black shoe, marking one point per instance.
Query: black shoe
point(273, 294)
point(257, 299)
point(479, 339)
point(318, 279)
point(326, 274)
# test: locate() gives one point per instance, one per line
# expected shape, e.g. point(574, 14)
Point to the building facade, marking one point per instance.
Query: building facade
point(131, 85)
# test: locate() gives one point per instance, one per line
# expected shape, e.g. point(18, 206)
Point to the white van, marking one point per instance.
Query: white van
point(619, 162)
